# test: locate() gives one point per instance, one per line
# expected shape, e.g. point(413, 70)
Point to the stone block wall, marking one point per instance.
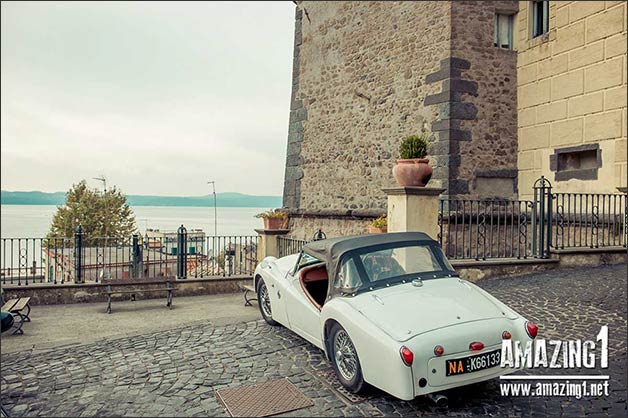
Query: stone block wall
point(572, 97)
point(358, 89)
point(368, 74)
point(477, 123)
point(46, 294)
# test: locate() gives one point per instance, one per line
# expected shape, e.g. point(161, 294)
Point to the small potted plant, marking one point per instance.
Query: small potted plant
point(412, 169)
point(274, 219)
point(378, 225)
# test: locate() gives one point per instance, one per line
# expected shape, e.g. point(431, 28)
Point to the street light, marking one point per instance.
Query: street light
point(213, 183)
point(104, 222)
point(104, 183)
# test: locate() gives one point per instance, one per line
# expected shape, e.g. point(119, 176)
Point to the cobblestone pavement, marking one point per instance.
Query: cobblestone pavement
point(177, 372)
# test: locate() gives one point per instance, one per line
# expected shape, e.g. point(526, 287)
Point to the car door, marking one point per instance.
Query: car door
point(276, 283)
point(304, 317)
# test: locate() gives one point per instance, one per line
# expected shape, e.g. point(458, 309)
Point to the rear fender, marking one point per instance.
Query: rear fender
point(379, 355)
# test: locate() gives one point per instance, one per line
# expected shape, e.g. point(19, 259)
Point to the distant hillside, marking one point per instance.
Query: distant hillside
point(222, 200)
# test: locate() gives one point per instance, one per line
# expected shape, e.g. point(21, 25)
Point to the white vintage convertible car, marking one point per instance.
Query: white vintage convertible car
point(389, 310)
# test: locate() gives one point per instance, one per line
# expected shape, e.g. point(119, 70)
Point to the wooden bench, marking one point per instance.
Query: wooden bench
point(169, 289)
point(246, 288)
point(15, 307)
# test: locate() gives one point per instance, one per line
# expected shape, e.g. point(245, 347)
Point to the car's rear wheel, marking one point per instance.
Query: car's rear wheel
point(345, 360)
point(263, 300)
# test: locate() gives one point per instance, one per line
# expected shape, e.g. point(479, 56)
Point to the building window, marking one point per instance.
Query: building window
point(581, 162)
point(503, 31)
point(540, 17)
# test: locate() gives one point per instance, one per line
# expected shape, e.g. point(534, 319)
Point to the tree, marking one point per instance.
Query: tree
point(100, 214)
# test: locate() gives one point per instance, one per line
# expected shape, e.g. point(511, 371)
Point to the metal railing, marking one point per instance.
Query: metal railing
point(289, 245)
point(484, 229)
point(588, 220)
point(231, 255)
point(84, 259)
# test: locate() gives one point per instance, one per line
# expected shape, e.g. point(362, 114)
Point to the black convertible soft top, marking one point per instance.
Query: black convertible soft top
point(331, 250)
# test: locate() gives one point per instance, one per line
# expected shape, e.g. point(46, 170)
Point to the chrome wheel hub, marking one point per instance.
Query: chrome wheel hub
point(345, 355)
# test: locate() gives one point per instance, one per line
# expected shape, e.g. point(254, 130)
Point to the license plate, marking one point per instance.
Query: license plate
point(471, 364)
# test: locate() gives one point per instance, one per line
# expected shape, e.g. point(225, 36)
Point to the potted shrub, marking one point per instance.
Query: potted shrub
point(274, 219)
point(378, 225)
point(412, 169)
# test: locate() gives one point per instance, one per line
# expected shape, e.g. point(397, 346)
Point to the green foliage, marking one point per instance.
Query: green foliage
point(272, 213)
point(414, 146)
point(220, 260)
point(381, 222)
point(100, 215)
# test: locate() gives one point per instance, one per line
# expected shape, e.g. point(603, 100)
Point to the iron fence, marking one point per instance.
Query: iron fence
point(484, 229)
point(230, 255)
point(83, 259)
point(588, 220)
point(289, 245)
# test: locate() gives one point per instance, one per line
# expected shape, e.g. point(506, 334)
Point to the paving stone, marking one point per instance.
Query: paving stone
point(176, 372)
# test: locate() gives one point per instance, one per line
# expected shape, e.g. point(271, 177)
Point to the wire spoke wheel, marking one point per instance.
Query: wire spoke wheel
point(265, 300)
point(345, 355)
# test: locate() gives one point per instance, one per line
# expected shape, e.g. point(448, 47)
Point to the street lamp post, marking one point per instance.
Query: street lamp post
point(104, 195)
point(104, 183)
point(213, 183)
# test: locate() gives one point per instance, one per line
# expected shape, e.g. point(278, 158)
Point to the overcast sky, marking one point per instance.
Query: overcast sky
point(159, 97)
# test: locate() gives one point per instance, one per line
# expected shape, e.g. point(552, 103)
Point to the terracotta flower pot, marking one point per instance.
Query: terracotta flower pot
point(273, 223)
point(375, 230)
point(413, 172)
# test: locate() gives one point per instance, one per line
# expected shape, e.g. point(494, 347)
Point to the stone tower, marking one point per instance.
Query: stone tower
point(368, 74)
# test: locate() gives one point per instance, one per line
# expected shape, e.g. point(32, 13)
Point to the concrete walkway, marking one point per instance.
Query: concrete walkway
point(64, 325)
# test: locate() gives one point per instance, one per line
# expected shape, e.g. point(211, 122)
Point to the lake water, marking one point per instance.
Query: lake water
point(33, 221)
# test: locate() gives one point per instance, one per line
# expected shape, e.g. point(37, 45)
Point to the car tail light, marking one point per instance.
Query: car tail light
point(406, 355)
point(439, 350)
point(532, 329)
point(506, 335)
point(476, 346)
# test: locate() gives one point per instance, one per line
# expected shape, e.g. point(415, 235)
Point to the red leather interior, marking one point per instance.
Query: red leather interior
point(310, 275)
point(314, 274)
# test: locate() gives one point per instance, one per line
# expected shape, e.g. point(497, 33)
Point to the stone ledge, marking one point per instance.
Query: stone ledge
point(96, 292)
point(272, 231)
point(129, 282)
point(503, 262)
point(588, 250)
point(339, 213)
point(413, 191)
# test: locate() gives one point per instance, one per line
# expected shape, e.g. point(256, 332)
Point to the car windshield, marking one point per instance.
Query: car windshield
point(305, 260)
point(364, 270)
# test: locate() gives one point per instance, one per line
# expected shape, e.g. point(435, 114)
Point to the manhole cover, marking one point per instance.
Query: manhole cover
point(329, 378)
point(262, 400)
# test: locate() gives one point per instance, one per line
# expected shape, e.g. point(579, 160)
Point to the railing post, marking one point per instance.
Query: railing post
point(137, 257)
point(182, 252)
point(543, 202)
point(550, 206)
point(78, 255)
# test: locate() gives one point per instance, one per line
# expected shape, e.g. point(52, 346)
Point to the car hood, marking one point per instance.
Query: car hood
point(404, 311)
